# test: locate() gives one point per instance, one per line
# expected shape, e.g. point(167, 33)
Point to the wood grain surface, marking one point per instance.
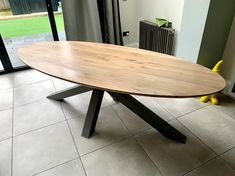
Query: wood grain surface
point(121, 69)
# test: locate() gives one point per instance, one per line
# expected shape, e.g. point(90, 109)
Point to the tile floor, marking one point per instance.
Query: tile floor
point(39, 137)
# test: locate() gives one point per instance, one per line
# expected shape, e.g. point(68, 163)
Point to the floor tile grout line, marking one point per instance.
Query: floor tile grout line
point(165, 109)
point(173, 117)
point(192, 111)
point(193, 168)
point(31, 83)
point(41, 99)
point(129, 131)
point(5, 139)
point(150, 128)
point(7, 109)
point(223, 112)
point(73, 116)
point(203, 141)
point(226, 163)
point(198, 138)
point(131, 135)
point(100, 148)
point(46, 126)
point(183, 114)
point(208, 147)
point(117, 141)
point(33, 102)
point(56, 166)
point(202, 164)
point(216, 155)
point(148, 156)
point(70, 131)
point(143, 131)
point(227, 151)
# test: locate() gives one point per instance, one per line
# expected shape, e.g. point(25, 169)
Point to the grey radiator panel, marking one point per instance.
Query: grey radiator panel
point(156, 38)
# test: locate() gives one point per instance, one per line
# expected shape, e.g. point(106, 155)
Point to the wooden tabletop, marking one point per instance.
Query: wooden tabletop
point(121, 69)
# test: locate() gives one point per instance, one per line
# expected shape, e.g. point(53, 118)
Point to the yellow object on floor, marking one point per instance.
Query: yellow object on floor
point(213, 98)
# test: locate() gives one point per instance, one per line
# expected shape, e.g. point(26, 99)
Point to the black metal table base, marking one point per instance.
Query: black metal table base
point(130, 102)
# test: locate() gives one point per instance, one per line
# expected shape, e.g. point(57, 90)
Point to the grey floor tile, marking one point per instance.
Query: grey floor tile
point(61, 84)
point(6, 81)
point(171, 157)
point(227, 105)
point(32, 92)
point(229, 157)
point(5, 157)
point(36, 115)
point(109, 99)
point(156, 108)
point(215, 167)
point(133, 122)
point(109, 129)
point(28, 77)
point(77, 105)
point(72, 168)
point(180, 106)
point(5, 124)
point(42, 149)
point(6, 100)
point(125, 158)
point(214, 127)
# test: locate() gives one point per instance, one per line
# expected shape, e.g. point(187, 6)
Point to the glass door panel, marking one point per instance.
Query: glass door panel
point(1, 67)
point(60, 22)
point(23, 23)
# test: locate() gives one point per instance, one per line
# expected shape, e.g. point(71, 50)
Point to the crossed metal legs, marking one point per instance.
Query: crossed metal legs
point(60, 95)
point(131, 103)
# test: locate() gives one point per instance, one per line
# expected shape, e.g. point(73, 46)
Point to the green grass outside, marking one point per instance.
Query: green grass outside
point(29, 26)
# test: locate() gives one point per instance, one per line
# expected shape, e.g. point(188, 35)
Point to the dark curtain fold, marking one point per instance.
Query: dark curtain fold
point(81, 20)
point(109, 14)
point(93, 20)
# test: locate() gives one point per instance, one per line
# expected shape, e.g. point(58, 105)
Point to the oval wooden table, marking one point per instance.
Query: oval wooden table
point(121, 71)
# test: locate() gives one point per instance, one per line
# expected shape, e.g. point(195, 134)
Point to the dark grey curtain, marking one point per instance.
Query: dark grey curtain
point(110, 21)
point(81, 20)
point(92, 20)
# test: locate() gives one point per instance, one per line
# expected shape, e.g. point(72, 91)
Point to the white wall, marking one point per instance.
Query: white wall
point(168, 9)
point(228, 69)
point(192, 28)
point(129, 20)
point(132, 11)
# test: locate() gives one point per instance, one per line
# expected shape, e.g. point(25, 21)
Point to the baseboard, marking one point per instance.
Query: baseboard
point(227, 90)
point(133, 45)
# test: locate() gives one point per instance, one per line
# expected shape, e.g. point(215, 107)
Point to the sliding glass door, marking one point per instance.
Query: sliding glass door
point(1, 67)
point(23, 22)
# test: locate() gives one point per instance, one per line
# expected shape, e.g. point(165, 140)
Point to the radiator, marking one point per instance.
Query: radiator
point(154, 38)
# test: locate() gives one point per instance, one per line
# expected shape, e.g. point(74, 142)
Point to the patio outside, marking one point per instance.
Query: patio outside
point(25, 28)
